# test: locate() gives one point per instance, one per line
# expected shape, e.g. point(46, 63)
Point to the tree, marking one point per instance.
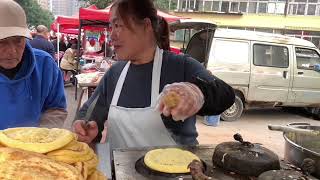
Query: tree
point(35, 14)
point(101, 4)
point(164, 4)
point(160, 4)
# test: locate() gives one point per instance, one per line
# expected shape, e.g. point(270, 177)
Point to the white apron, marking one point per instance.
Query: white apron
point(138, 127)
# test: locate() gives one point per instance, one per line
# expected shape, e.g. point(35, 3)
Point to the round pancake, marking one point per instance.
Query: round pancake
point(92, 164)
point(97, 175)
point(17, 164)
point(169, 160)
point(82, 168)
point(73, 152)
point(171, 99)
point(40, 140)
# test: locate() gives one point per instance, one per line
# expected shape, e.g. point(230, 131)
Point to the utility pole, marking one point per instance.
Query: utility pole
point(169, 5)
point(286, 8)
point(50, 4)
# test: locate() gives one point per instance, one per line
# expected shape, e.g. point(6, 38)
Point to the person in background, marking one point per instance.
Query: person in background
point(31, 85)
point(71, 41)
point(68, 61)
point(105, 49)
point(62, 44)
point(40, 41)
point(69, 64)
point(146, 81)
point(90, 45)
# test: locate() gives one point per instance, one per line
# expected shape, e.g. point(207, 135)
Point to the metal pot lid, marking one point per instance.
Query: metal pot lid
point(245, 158)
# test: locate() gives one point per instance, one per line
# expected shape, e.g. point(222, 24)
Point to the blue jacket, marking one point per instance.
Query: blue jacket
point(37, 87)
point(41, 43)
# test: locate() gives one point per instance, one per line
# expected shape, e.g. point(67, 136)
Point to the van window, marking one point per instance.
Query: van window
point(306, 58)
point(270, 55)
point(198, 45)
point(232, 52)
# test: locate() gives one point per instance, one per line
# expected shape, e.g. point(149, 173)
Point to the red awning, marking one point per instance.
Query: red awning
point(67, 24)
point(70, 31)
point(94, 14)
point(65, 20)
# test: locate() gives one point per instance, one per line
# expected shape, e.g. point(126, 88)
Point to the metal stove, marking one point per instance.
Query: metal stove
point(128, 166)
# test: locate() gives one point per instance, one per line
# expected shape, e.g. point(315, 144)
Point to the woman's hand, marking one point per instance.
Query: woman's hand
point(86, 131)
point(181, 100)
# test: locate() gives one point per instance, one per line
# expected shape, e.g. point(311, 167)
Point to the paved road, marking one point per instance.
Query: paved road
point(71, 105)
point(252, 126)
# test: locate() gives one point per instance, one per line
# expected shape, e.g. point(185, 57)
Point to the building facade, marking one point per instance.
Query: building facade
point(297, 18)
point(65, 7)
point(45, 4)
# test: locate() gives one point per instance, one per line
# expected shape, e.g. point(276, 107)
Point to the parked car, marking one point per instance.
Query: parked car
point(264, 69)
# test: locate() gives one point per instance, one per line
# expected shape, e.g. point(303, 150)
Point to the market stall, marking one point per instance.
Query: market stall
point(66, 25)
point(92, 19)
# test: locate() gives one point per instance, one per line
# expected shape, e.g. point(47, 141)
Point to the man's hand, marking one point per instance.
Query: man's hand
point(86, 131)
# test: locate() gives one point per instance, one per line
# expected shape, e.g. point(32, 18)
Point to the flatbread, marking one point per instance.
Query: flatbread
point(92, 164)
point(73, 152)
point(169, 160)
point(40, 140)
point(18, 164)
point(171, 100)
point(82, 168)
point(97, 175)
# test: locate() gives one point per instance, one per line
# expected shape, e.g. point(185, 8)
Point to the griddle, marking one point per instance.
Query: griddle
point(126, 160)
point(144, 170)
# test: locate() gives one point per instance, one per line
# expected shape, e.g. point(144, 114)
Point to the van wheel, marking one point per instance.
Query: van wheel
point(316, 113)
point(234, 112)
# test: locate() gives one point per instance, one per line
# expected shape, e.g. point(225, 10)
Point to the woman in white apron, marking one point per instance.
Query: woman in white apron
point(141, 38)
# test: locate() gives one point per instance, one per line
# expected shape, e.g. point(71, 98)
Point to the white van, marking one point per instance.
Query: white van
point(264, 69)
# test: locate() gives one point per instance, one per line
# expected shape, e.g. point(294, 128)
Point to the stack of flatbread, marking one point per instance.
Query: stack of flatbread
point(45, 154)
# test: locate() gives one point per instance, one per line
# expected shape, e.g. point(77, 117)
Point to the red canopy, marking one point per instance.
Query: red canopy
point(93, 13)
point(66, 22)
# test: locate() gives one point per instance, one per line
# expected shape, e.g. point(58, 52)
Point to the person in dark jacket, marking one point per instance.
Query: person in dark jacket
point(62, 44)
point(40, 41)
point(105, 49)
point(128, 99)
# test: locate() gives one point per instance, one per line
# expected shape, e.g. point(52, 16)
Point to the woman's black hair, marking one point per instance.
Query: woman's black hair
point(138, 10)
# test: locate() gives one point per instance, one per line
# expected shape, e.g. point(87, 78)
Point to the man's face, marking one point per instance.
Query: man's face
point(11, 50)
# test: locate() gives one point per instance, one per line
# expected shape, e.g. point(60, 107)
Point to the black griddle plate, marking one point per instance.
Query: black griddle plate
point(127, 160)
point(143, 169)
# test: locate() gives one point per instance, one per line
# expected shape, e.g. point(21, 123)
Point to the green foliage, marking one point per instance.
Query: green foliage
point(164, 4)
point(101, 4)
point(160, 4)
point(35, 14)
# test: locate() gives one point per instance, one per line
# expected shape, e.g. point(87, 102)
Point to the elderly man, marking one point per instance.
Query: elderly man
point(41, 42)
point(31, 85)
